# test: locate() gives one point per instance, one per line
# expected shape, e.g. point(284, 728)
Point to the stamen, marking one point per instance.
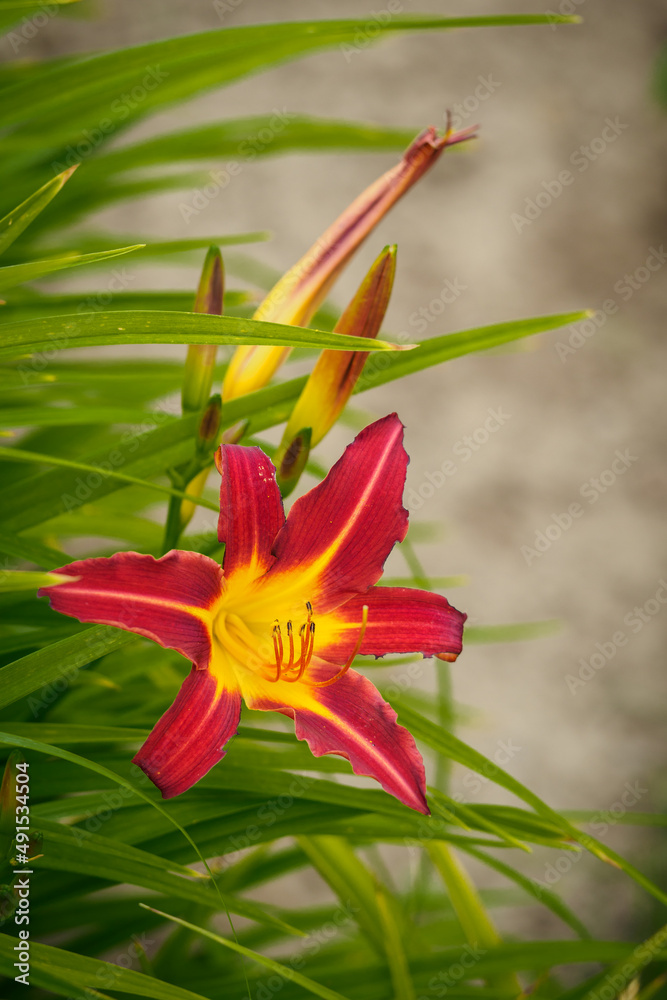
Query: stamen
point(291, 647)
point(278, 650)
point(307, 637)
point(312, 643)
point(355, 651)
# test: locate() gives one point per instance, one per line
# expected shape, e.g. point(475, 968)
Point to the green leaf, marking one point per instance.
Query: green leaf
point(472, 916)
point(454, 345)
point(56, 968)
point(68, 733)
point(18, 273)
point(510, 633)
point(159, 248)
point(13, 224)
point(63, 98)
point(20, 4)
point(18, 455)
point(11, 580)
point(286, 973)
point(339, 866)
point(397, 960)
point(23, 548)
point(448, 744)
point(541, 893)
point(148, 327)
point(56, 665)
point(234, 137)
point(471, 818)
point(66, 416)
point(242, 907)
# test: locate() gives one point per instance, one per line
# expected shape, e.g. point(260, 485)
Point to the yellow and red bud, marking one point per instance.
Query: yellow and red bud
point(300, 292)
point(200, 360)
point(336, 372)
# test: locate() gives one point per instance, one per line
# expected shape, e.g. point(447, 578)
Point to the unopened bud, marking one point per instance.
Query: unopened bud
point(301, 291)
point(336, 372)
point(200, 360)
point(291, 461)
point(209, 427)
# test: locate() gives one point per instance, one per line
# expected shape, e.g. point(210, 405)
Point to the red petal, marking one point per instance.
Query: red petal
point(167, 599)
point(400, 620)
point(189, 738)
point(338, 536)
point(350, 718)
point(251, 509)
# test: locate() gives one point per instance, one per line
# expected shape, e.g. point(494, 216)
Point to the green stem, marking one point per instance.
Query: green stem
point(172, 529)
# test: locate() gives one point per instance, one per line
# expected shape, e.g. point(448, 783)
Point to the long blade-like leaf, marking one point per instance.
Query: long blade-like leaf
point(144, 327)
point(15, 274)
point(20, 217)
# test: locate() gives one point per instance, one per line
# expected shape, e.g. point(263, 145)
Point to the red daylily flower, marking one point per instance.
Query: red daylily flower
point(281, 622)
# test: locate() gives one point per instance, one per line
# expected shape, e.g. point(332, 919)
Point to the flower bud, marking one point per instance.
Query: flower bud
point(292, 460)
point(299, 293)
point(200, 360)
point(336, 372)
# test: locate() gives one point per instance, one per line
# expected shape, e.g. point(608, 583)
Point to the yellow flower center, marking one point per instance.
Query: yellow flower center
point(273, 650)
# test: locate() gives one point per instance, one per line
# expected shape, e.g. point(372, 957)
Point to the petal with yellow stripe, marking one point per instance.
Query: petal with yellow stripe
point(350, 718)
point(189, 738)
point(337, 537)
point(398, 620)
point(171, 600)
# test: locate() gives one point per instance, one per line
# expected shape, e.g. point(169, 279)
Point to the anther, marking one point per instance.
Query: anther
point(278, 650)
point(290, 636)
point(355, 651)
point(307, 640)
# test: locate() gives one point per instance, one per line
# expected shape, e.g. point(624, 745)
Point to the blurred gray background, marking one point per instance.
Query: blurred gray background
point(548, 99)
